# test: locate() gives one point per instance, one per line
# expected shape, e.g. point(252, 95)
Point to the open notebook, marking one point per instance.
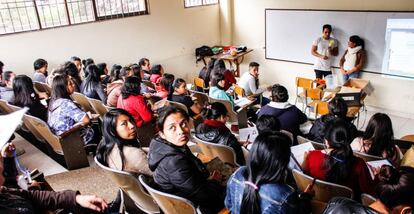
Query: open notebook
point(9, 124)
point(376, 164)
point(298, 155)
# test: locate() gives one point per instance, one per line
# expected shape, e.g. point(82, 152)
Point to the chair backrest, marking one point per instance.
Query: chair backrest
point(324, 191)
point(148, 84)
point(318, 146)
point(239, 91)
point(178, 105)
point(212, 150)
point(289, 134)
point(367, 199)
point(83, 102)
point(198, 82)
point(98, 106)
point(131, 186)
point(409, 137)
point(169, 204)
point(145, 133)
point(232, 115)
point(367, 157)
point(202, 98)
point(303, 83)
point(4, 107)
point(321, 108)
point(302, 140)
point(43, 129)
point(314, 93)
point(35, 132)
point(42, 87)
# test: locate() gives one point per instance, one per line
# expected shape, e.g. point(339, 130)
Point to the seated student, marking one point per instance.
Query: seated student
point(34, 201)
point(71, 70)
point(250, 83)
point(164, 86)
point(178, 93)
point(205, 72)
point(56, 71)
point(156, 73)
point(214, 130)
point(25, 96)
point(78, 62)
point(133, 102)
point(120, 134)
point(92, 86)
point(289, 115)
point(267, 123)
point(146, 67)
point(394, 190)
point(63, 113)
point(113, 89)
point(103, 68)
point(337, 163)
point(260, 187)
point(86, 63)
point(337, 109)
point(6, 92)
point(137, 72)
point(217, 88)
point(176, 170)
point(40, 73)
point(1, 72)
point(378, 139)
point(220, 67)
point(114, 75)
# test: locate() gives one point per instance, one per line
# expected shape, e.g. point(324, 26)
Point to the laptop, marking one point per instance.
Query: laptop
point(351, 99)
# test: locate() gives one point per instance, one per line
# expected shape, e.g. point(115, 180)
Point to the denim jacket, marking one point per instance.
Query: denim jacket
point(274, 198)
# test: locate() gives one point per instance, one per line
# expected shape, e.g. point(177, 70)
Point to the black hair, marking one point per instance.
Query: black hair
point(267, 163)
point(1, 68)
point(340, 160)
point(87, 62)
point(156, 69)
point(111, 137)
point(327, 26)
point(267, 123)
point(167, 111)
point(175, 84)
point(279, 93)
point(71, 70)
point(380, 134)
point(59, 89)
point(219, 66)
point(216, 78)
point(338, 107)
point(167, 81)
point(94, 74)
point(209, 69)
point(214, 111)
point(75, 58)
point(24, 93)
point(254, 64)
point(136, 70)
point(7, 76)
point(143, 62)
point(132, 86)
point(124, 72)
point(357, 41)
point(39, 63)
point(114, 74)
point(395, 186)
point(102, 66)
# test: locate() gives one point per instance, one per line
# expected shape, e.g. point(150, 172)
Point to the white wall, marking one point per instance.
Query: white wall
point(395, 95)
point(168, 36)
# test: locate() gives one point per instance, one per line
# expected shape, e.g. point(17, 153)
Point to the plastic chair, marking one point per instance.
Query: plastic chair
point(42, 87)
point(200, 85)
point(212, 150)
point(169, 203)
point(324, 191)
point(130, 186)
point(367, 199)
point(69, 144)
point(302, 83)
point(201, 98)
point(82, 100)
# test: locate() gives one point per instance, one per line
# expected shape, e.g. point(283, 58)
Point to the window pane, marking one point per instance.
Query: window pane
point(119, 7)
point(17, 16)
point(192, 3)
point(210, 1)
point(52, 13)
point(80, 11)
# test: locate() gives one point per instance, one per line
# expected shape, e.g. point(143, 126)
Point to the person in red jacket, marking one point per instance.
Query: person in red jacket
point(220, 67)
point(132, 101)
point(337, 163)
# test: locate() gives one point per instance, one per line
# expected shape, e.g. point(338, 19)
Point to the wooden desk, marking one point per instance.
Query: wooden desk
point(236, 60)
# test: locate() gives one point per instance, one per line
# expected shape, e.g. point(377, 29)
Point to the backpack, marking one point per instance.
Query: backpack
point(202, 52)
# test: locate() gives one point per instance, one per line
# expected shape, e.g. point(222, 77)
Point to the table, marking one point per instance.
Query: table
point(236, 60)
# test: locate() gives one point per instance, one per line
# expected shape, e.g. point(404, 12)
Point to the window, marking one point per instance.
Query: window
point(194, 3)
point(26, 15)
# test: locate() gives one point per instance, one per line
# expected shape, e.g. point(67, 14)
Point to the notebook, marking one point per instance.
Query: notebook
point(298, 154)
point(376, 164)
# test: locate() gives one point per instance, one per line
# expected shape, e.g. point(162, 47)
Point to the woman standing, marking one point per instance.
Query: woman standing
point(353, 59)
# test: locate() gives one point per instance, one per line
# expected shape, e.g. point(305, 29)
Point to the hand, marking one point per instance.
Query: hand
point(7, 150)
point(343, 71)
point(92, 202)
point(325, 57)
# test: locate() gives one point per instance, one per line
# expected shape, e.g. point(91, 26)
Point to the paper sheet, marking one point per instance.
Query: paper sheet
point(250, 132)
point(376, 164)
point(9, 123)
point(298, 151)
point(242, 101)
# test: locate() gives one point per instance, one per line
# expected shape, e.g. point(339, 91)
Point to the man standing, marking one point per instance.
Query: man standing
point(324, 48)
point(40, 67)
point(250, 83)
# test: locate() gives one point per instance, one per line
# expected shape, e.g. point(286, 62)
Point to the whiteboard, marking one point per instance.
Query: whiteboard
point(290, 33)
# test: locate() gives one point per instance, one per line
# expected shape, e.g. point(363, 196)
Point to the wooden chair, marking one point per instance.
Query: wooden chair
point(238, 91)
point(404, 145)
point(169, 204)
point(320, 108)
point(315, 95)
point(212, 150)
point(98, 106)
point(149, 84)
point(42, 88)
point(69, 144)
point(199, 85)
point(4, 107)
point(200, 97)
point(239, 117)
point(302, 83)
point(132, 188)
point(409, 137)
point(82, 100)
point(324, 191)
point(367, 199)
point(367, 157)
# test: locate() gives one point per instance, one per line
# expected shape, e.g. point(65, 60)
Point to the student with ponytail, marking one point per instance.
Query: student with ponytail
point(336, 163)
point(259, 187)
point(214, 130)
point(178, 93)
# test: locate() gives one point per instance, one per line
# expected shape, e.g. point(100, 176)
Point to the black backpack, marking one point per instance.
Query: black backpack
point(202, 52)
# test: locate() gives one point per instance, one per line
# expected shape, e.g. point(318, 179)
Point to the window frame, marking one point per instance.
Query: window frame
point(201, 5)
point(95, 16)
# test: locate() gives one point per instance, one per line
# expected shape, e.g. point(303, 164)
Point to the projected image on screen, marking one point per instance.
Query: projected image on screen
point(399, 51)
